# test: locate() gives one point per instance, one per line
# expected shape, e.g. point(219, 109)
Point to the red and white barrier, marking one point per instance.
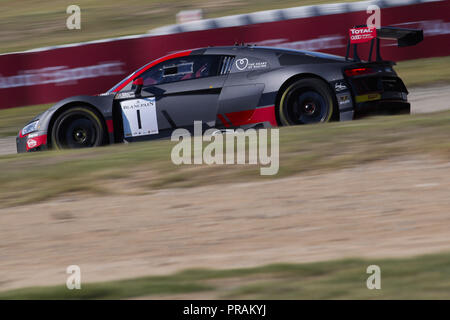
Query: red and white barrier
point(49, 74)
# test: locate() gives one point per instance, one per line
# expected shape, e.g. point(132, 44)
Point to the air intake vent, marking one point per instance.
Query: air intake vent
point(227, 64)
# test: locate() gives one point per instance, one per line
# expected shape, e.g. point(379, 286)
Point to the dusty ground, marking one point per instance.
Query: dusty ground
point(8, 145)
point(430, 99)
point(390, 208)
point(393, 208)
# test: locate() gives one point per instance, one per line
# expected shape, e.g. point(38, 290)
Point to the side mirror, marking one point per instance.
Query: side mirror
point(137, 85)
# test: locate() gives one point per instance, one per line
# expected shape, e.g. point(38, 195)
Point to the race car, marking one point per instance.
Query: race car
point(238, 86)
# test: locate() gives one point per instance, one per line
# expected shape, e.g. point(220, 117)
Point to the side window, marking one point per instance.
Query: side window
point(186, 68)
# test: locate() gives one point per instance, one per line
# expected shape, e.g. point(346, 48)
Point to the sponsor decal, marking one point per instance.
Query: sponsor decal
point(242, 64)
point(368, 97)
point(340, 86)
point(361, 35)
point(36, 141)
point(31, 143)
point(139, 117)
point(245, 64)
point(344, 99)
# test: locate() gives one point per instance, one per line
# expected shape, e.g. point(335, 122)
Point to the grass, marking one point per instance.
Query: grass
point(424, 71)
point(29, 24)
point(147, 166)
point(425, 277)
point(14, 119)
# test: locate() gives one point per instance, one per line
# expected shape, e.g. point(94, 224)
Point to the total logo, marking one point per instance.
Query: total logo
point(361, 31)
point(360, 35)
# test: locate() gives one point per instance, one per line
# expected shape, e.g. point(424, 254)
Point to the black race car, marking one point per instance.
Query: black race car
point(225, 88)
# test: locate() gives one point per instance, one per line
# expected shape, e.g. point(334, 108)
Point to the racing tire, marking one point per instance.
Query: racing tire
point(306, 101)
point(77, 127)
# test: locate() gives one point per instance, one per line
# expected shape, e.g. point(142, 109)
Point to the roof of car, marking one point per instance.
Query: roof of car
point(232, 50)
point(249, 48)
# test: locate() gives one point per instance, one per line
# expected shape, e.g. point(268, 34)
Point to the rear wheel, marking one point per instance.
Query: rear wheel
point(306, 101)
point(77, 127)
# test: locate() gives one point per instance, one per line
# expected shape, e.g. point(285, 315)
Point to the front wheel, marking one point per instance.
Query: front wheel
point(77, 127)
point(306, 101)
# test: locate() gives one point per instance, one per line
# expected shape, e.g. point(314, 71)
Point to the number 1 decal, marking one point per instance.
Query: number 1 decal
point(139, 117)
point(138, 113)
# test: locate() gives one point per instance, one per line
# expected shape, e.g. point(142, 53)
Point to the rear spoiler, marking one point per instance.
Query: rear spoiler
point(362, 34)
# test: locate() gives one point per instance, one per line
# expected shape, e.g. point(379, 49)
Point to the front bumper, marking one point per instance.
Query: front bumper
point(36, 141)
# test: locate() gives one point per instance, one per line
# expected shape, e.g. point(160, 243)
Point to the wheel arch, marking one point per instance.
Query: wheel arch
point(73, 104)
point(295, 78)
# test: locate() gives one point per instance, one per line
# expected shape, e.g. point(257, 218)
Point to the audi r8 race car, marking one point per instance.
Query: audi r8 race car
point(227, 88)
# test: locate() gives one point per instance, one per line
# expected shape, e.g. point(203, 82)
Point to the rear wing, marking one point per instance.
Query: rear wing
point(363, 34)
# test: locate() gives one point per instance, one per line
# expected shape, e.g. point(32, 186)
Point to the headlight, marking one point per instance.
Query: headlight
point(30, 128)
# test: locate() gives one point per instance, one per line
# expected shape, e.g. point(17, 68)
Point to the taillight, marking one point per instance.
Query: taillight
point(358, 72)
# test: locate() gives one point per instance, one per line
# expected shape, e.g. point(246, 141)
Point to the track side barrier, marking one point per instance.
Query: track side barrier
point(50, 74)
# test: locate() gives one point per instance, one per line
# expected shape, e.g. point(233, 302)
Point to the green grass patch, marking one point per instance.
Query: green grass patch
point(424, 277)
point(14, 119)
point(29, 24)
point(147, 166)
point(424, 71)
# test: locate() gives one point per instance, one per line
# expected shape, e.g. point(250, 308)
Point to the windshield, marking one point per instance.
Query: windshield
point(126, 78)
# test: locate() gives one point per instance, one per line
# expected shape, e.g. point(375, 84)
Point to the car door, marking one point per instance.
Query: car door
point(186, 89)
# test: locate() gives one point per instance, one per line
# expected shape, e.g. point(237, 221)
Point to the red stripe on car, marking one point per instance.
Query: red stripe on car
point(162, 59)
point(110, 125)
point(265, 114)
point(225, 122)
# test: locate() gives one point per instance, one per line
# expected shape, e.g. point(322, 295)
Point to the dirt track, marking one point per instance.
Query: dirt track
point(8, 145)
point(390, 208)
point(430, 99)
